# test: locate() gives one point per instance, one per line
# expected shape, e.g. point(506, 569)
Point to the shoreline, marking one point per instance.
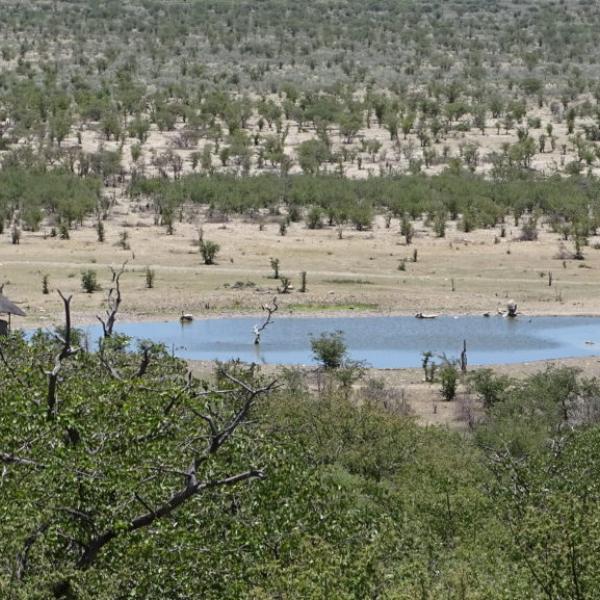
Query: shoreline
point(86, 319)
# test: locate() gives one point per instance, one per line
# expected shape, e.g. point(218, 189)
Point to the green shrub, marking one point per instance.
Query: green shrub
point(448, 380)
point(489, 386)
point(209, 251)
point(313, 218)
point(329, 349)
point(89, 282)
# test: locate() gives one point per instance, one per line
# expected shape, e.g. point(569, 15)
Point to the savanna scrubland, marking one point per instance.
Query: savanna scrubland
point(405, 156)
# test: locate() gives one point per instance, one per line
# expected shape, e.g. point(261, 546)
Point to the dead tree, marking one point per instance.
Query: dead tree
point(66, 351)
point(113, 302)
point(270, 310)
point(286, 285)
point(463, 357)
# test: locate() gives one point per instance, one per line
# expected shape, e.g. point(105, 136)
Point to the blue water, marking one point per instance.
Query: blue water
point(383, 342)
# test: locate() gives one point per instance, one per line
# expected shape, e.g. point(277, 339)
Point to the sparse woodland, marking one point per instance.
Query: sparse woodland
point(124, 475)
point(132, 95)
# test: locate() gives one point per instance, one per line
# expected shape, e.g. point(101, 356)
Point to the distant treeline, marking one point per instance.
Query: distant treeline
point(27, 197)
point(475, 200)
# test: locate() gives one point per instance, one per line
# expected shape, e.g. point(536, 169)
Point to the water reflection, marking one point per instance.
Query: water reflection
point(386, 342)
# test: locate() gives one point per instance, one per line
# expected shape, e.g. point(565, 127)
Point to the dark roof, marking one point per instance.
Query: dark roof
point(8, 307)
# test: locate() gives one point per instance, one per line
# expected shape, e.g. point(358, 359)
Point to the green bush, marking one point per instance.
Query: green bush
point(89, 281)
point(209, 251)
point(329, 349)
point(489, 386)
point(448, 378)
point(313, 218)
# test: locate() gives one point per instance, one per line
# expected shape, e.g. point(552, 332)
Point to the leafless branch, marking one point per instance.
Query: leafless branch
point(113, 302)
point(193, 484)
point(75, 513)
point(174, 502)
point(66, 351)
point(106, 364)
point(270, 309)
point(9, 459)
point(144, 362)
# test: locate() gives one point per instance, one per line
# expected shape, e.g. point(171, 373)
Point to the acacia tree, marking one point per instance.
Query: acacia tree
point(311, 155)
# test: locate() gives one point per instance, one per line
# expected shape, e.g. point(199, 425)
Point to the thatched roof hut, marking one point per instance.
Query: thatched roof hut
point(9, 308)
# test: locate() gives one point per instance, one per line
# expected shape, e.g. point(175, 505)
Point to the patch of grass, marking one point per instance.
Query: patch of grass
point(321, 307)
point(345, 281)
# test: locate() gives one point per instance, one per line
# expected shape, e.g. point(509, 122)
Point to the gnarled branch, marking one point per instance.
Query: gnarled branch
point(66, 351)
point(270, 309)
point(113, 302)
point(193, 484)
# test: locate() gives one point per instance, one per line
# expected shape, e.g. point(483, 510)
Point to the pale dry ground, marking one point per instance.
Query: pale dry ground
point(358, 273)
point(355, 275)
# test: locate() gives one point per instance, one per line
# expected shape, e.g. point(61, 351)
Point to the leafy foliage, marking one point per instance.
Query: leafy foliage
point(355, 501)
point(329, 349)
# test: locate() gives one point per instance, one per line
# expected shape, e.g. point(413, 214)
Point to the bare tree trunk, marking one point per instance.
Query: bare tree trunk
point(270, 310)
point(65, 352)
point(113, 302)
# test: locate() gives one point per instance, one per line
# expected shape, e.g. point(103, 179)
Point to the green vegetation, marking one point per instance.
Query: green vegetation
point(94, 490)
point(572, 203)
point(89, 281)
point(34, 195)
point(329, 349)
point(232, 84)
point(209, 251)
point(121, 474)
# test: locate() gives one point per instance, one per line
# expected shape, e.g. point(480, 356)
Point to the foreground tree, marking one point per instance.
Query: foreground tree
point(133, 439)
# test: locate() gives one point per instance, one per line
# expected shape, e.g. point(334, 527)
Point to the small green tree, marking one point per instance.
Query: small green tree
point(275, 267)
point(429, 366)
point(209, 251)
point(100, 231)
point(490, 387)
point(406, 228)
point(449, 380)
point(313, 218)
point(329, 349)
point(89, 281)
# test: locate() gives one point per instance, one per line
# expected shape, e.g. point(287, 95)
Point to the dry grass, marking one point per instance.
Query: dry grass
point(485, 274)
